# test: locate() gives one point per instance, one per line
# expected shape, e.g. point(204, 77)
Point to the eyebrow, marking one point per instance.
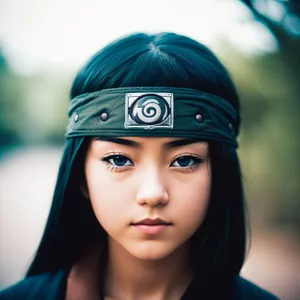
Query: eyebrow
point(119, 141)
point(130, 143)
point(179, 143)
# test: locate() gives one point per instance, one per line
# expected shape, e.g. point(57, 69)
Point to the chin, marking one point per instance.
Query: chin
point(151, 252)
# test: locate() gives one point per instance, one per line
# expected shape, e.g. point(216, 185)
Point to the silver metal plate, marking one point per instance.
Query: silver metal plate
point(149, 110)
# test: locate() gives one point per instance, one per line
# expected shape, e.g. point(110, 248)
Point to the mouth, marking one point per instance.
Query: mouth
point(152, 226)
point(152, 222)
point(151, 229)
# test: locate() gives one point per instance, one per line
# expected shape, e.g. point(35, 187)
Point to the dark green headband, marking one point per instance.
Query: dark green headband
point(153, 111)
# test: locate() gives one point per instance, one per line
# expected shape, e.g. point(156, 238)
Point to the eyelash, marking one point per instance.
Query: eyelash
point(112, 167)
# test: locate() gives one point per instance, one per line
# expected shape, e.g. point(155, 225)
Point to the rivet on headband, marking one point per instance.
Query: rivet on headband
point(153, 111)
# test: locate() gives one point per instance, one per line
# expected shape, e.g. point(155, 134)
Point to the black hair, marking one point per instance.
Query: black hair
point(164, 59)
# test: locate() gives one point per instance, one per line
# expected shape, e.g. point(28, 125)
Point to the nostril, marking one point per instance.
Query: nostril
point(152, 198)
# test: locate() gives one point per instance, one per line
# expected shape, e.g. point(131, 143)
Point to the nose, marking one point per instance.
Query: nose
point(152, 190)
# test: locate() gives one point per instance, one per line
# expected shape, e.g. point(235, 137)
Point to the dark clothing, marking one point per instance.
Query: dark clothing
point(52, 286)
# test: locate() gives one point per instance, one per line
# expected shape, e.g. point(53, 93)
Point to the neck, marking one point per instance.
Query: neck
point(128, 277)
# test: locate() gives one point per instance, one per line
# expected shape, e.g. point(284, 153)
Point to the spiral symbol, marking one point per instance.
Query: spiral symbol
point(150, 110)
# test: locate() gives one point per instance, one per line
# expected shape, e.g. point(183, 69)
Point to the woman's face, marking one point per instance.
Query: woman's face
point(134, 178)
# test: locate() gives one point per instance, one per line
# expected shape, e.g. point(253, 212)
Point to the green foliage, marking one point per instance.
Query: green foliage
point(33, 109)
point(9, 103)
point(269, 141)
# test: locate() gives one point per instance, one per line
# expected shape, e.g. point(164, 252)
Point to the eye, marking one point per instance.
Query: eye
point(118, 160)
point(186, 161)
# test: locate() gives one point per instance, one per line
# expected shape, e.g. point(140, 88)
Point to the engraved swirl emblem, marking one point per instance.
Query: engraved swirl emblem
point(150, 109)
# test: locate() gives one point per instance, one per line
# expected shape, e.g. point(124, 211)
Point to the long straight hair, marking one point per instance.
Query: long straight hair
point(165, 59)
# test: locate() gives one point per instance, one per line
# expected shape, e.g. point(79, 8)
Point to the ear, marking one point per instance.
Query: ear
point(84, 190)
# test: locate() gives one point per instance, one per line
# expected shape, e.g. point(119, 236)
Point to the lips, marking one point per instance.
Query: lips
point(152, 222)
point(151, 229)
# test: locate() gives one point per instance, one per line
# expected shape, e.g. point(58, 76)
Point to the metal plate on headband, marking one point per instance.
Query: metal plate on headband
point(149, 110)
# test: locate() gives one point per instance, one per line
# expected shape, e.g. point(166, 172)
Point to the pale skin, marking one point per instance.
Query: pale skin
point(133, 178)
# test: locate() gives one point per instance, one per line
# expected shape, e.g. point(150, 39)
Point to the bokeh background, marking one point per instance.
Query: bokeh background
point(43, 44)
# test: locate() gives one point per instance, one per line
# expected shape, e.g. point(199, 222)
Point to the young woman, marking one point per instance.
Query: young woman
point(149, 201)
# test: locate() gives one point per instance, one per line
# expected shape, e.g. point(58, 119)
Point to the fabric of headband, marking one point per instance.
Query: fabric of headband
point(153, 112)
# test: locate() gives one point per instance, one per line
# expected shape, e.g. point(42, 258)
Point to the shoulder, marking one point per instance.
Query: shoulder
point(47, 286)
point(246, 290)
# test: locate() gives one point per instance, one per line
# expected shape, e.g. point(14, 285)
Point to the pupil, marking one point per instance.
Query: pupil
point(184, 161)
point(120, 160)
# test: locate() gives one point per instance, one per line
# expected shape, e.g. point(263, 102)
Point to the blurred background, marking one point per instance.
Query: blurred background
point(44, 43)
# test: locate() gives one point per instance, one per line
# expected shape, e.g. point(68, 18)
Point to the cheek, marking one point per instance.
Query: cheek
point(192, 200)
point(107, 197)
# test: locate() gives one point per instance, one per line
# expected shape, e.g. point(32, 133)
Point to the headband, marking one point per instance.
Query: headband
point(153, 111)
